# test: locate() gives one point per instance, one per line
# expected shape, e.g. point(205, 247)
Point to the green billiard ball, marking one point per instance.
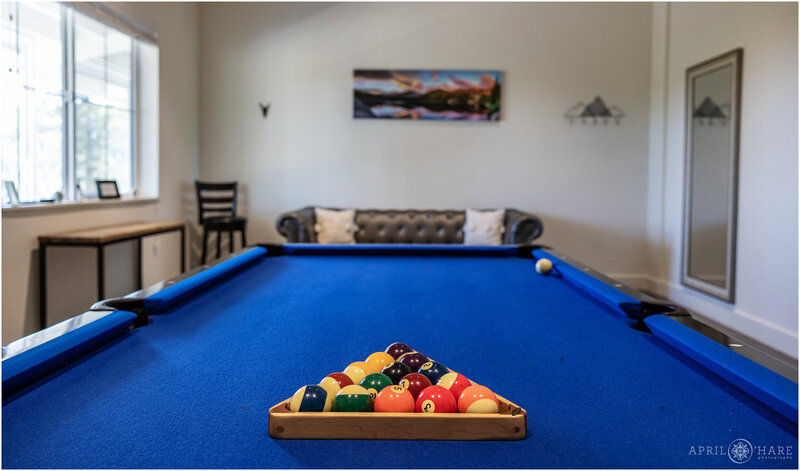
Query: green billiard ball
point(374, 383)
point(353, 399)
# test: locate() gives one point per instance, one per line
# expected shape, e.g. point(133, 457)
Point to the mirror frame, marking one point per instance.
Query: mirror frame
point(733, 58)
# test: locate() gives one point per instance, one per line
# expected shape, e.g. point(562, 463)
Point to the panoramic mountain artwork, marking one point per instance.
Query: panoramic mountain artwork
point(444, 95)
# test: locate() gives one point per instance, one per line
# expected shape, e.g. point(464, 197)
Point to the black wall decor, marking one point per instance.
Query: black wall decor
point(264, 109)
point(596, 110)
point(708, 111)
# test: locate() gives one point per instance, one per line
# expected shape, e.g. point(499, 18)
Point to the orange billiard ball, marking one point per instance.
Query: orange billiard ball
point(394, 399)
point(478, 400)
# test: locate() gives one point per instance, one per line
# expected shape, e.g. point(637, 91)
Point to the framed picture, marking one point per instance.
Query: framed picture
point(11, 192)
point(107, 189)
point(440, 95)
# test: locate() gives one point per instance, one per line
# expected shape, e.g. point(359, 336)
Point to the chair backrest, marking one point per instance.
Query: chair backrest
point(215, 199)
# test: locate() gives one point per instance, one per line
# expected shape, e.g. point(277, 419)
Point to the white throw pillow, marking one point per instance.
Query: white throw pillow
point(335, 227)
point(484, 227)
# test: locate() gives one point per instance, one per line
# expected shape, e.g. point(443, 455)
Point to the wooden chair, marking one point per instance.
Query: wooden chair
point(216, 203)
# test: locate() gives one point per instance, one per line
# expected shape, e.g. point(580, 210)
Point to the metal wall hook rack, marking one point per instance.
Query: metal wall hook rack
point(596, 111)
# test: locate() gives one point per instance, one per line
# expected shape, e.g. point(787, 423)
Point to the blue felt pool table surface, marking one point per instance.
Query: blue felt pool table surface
point(192, 389)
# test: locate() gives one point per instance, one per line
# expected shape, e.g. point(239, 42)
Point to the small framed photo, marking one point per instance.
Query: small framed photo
point(11, 192)
point(107, 189)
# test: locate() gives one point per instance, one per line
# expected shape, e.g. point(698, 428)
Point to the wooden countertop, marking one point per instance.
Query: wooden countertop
point(107, 234)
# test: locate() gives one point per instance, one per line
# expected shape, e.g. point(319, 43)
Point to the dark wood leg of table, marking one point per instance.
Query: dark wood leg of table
point(219, 244)
point(139, 263)
point(101, 274)
point(230, 240)
point(42, 285)
point(183, 249)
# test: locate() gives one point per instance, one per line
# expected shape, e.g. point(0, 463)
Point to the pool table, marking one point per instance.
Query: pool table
point(608, 379)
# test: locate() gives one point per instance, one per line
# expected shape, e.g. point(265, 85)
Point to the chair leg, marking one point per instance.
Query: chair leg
point(230, 240)
point(244, 244)
point(205, 244)
point(219, 243)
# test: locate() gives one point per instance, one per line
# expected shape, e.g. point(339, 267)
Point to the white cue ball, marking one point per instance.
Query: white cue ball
point(543, 266)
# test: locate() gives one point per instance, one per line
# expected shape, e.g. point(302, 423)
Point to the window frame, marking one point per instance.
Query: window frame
point(110, 17)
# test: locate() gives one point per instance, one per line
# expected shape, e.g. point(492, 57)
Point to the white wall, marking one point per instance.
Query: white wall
point(685, 34)
point(177, 27)
point(588, 183)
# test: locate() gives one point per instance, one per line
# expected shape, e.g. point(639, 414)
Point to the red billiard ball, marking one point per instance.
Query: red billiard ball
point(341, 378)
point(456, 383)
point(394, 399)
point(413, 360)
point(415, 383)
point(397, 349)
point(436, 399)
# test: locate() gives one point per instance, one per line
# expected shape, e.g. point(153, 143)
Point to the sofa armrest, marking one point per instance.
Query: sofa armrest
point(521, 228)
point(297, 226)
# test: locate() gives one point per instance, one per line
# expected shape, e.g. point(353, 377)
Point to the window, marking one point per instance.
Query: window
point(69, 94)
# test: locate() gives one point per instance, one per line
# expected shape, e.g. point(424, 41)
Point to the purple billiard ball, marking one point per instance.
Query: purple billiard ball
point(397, 349)
point(413, 360)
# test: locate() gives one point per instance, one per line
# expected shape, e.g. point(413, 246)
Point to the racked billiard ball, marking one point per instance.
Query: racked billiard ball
point(330, 385)
point(341, 378)
point(397, 349)
point(311, 398)
point(436, 399)
point(394, 399)
point(353, 398)
point(413, 360)
point(415, 383)
point(433, 370)
point(478, 400)
point(375, 382)
point(456, 383)
point(395, 371)
point(356, 371)
point(377, 361)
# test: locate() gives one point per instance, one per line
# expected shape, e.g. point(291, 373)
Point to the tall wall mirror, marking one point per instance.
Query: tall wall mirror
point(713, 91)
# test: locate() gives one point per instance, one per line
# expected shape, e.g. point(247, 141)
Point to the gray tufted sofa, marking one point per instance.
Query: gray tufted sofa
point(409, 226)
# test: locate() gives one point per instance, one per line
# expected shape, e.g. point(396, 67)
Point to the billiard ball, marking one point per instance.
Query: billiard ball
point(436, 399)
point(377, 361)
point(433, 371)
point(311, 398)
point(394, 399)
point(478, 400)
point(456, 383)
point(375, 382)
point(415, 383)
point(413, 360)
point(543, 266)
point(356, 371)
point(330, 385)
point(397, 349)
point(395, 371)
point(341, 378)
point(353, 398)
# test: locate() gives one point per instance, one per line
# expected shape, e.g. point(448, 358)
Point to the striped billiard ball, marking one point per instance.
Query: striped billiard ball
point(478, 400)
point(433, 371)
point(353, 398)
point(311, 398)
